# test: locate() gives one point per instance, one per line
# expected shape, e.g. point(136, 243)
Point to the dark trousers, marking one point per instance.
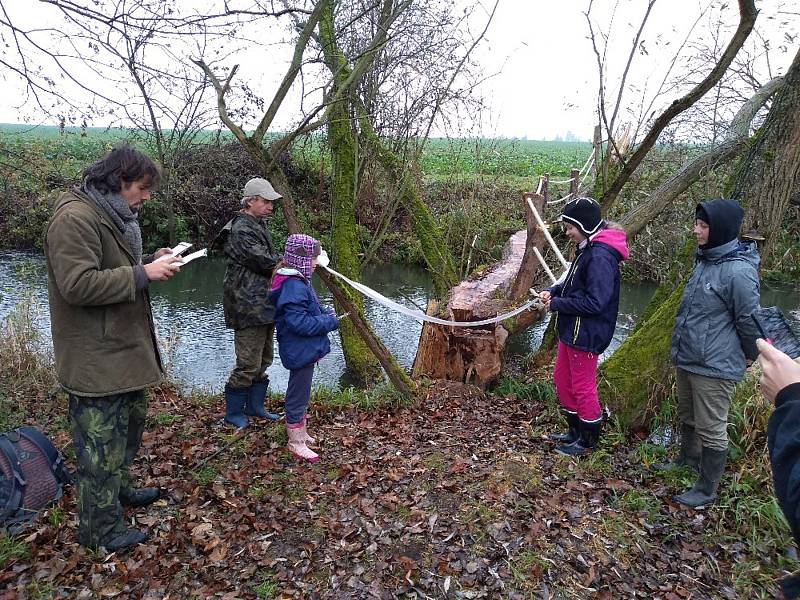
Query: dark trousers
point(254, 354)
point(107, 432)
point(298, 393)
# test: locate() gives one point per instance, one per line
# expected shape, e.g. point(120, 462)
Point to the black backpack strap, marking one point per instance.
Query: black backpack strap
point(18, 483)
point(49, 450)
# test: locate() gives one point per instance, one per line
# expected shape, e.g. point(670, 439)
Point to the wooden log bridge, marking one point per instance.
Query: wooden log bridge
point(475, 354)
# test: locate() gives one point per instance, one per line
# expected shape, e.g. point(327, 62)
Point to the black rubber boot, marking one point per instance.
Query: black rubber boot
point(139, 497)
point(255, 401)
point(586, 442)
point(704, 491)
point(689, 455)
point(572, 433)
point(235, 400)
point(125, 540)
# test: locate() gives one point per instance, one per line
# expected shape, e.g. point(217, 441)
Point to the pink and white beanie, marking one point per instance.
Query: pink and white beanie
point(300, 251)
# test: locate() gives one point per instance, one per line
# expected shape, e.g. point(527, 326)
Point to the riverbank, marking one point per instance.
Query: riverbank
point(456, 495)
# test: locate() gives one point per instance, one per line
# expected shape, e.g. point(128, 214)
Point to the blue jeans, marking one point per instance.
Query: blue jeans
point(298, 393)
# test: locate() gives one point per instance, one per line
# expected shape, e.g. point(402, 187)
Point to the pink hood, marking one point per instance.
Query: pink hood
point(282, 275)
point(614, 238)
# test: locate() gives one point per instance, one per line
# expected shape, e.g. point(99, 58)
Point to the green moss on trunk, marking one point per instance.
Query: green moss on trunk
point(676, 277)
point(638, 376)
point(434, 249)
point(344, 235)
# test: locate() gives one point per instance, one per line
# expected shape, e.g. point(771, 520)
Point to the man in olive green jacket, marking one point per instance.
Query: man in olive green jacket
point(251, 261)
point(104, 340)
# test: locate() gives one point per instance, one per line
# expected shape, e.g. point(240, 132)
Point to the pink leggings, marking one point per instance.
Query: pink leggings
point(575, 378)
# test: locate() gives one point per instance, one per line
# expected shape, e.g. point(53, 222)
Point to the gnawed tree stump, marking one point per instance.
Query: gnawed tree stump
point(475, 354)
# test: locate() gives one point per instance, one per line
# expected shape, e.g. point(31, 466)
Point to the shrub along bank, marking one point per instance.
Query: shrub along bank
point(472, 186)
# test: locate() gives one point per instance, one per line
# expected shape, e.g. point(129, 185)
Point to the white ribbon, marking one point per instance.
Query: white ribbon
point(421, 316)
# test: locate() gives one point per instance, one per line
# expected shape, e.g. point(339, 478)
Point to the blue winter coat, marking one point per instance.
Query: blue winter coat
point(783, 438)
point(301, 324)
point(588, 301)
point(713, 330)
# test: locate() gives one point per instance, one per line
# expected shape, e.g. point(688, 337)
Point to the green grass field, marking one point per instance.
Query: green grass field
point(443, 159)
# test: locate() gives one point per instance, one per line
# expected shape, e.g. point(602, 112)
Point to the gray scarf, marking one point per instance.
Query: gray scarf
point(125, 218)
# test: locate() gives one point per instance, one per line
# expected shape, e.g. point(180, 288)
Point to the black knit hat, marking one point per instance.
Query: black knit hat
point(583, 213)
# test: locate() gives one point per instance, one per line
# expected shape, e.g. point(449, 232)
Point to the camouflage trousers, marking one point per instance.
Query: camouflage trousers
point(254, 354)
point(107, 432)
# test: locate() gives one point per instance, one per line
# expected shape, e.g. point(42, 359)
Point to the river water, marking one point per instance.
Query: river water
point(198, 349)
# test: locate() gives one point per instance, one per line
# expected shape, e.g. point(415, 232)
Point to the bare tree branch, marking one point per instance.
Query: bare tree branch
point(735, 142)
point(747, 18)
point(291, 73)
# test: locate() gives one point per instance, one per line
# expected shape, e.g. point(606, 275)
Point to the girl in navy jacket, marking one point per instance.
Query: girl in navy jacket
point(302, 327)
point(585, 306)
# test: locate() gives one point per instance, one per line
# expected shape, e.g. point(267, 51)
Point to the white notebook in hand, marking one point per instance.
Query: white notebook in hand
point(176, 251)
point(185, 260)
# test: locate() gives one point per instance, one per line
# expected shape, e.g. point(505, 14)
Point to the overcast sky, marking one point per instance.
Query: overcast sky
point(549, 76)
point(545, 72)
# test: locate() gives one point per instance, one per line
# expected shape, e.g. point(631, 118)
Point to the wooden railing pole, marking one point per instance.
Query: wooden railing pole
point(544, 182)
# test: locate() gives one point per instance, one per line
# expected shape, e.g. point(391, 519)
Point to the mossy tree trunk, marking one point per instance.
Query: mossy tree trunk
point(343, 295)
point(266, 157)
point(770, 173)
point(638, 376)
point(344, 235)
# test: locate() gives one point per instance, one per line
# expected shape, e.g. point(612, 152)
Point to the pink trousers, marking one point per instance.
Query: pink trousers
point(575, 378)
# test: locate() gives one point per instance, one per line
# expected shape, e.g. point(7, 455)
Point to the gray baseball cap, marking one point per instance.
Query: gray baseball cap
point(260, 187)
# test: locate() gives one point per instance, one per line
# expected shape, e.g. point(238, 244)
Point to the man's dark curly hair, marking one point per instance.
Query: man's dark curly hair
point(122, 165)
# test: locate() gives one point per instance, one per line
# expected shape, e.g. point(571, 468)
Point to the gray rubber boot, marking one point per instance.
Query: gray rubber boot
point(689, 455)
point(704, 492)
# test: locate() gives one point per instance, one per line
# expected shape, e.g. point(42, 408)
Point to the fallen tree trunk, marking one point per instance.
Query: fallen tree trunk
point(475, 354)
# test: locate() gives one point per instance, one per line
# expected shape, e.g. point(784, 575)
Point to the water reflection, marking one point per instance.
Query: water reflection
point(632, 299)
point(199, 349)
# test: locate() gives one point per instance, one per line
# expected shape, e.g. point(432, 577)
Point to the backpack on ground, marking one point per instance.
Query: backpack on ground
point(32, 473)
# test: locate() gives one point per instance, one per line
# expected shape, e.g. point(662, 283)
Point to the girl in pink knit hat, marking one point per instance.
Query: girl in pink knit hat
point(302, 326)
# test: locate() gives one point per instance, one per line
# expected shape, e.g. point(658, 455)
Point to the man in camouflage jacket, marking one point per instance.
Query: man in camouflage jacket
point(251, 261)
point(103, 336)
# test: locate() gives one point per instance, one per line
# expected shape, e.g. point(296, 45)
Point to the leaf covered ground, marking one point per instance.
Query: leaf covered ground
point(457, 496)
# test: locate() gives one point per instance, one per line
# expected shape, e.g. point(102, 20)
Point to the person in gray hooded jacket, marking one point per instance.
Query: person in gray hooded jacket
point(713, 342)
